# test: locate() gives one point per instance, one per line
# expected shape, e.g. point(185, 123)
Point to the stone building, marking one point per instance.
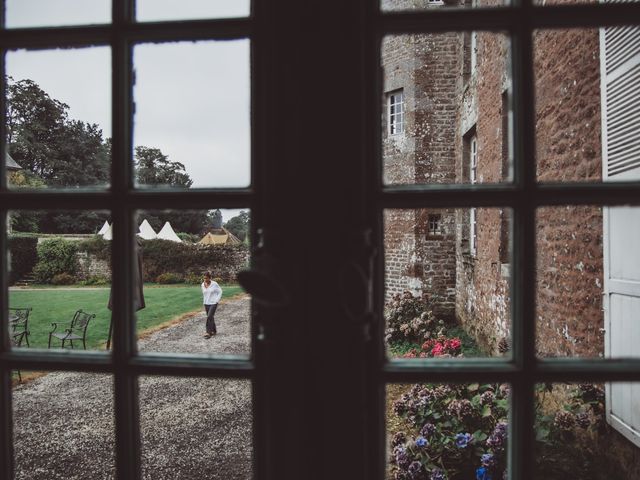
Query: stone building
point(447, 107)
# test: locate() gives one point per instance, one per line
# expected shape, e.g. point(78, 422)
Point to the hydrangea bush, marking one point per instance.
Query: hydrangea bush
point(453, 432)
point(410, 319)
point(437, 347)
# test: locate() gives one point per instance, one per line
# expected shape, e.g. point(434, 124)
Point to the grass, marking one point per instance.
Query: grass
point(163, 304)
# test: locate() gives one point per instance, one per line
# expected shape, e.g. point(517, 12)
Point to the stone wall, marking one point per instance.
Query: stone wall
point(89, 265)
point(426, 68)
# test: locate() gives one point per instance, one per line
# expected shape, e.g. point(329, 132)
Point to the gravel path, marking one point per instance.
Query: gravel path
point(192, 428)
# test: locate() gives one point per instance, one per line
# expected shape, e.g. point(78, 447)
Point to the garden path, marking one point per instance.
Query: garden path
point(192, 428)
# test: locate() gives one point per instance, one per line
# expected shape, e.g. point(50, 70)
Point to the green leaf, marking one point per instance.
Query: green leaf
point(486, 411)
point(473, 387)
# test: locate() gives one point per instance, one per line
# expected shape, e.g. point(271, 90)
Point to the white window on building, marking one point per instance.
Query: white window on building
point(395, 105)
point(474, 51)
point(435, 224)
point(473, 175)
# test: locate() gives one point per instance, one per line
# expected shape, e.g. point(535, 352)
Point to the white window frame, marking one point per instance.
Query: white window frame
point(473, 178)
point(434, 224)
point(395, 112)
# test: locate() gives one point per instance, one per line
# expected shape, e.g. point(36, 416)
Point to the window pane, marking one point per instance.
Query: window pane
point(156, 10)
point(422, 5)
point(576, 434)
point(63, 425)
point(192, 114)
point(179, 312)
point(60, 277)
point(588, 272)
point(196, 428)
point(447, 431)
point(447, 282)
point(587, 104)
point(59, 118)
point(50, 13)
point(451, 93)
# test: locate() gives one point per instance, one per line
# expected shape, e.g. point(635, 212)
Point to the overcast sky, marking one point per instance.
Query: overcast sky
point(191, 99)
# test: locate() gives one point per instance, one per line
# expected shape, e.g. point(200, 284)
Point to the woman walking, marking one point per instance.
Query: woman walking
point(211, 293)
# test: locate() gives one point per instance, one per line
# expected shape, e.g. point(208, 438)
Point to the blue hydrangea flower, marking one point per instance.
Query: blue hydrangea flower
point(483, 474)
point(421, 442)
point(488, 460)
point(427, 430)
point(437, 474)
point(463, 439)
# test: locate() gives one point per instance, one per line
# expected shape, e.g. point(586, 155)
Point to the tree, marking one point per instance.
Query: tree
point(45, 142)
point(155, 168)
point(239, 225)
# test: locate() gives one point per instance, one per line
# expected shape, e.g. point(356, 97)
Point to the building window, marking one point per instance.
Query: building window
point(473, 175)
point(395, 105)
point(434, 224)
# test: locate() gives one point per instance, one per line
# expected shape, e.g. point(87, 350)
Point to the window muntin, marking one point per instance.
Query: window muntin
point(395, 104)
point(434, 224)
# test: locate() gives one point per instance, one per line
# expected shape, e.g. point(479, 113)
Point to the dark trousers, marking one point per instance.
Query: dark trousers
point(211, 323)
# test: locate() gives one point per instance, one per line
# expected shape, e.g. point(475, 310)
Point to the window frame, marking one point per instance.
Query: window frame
point(523, 195)
point(364, 336)
point(122, 198)
point(395, 119)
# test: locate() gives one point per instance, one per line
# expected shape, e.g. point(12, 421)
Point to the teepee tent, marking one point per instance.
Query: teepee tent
point(220, 236)
point(146, 231)
point(108, 235)
point(167, 233)
point(104, 228)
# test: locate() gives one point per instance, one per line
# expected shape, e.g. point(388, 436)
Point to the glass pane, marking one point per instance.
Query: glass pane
point(588, 272)
point(587, 104)
point(59, 118)
point(180, 309)
point(192, 125)
point(196, 428)
point(447, 431)
point(584, 431)
point(63, 425)
point(447, 282)
point(156, 10)
point(52, 13)
point(422, 5)
point(60, 277)
point(455, 91)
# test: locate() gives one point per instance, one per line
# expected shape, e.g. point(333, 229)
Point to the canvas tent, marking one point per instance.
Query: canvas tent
point(108, 235)
point(220, 236)
point(146, 231)
point(167, 233)
point(104, 228)
point(10, 163)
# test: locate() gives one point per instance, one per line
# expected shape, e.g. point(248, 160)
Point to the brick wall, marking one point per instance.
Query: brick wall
point(426, 68)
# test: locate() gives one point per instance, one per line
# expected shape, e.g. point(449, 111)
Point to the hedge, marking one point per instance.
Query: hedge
point(55, 256)
point(190, 261)
point(24, 256)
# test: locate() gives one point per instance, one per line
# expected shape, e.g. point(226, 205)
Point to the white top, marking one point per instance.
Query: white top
point(211, 294)
point(146, 231)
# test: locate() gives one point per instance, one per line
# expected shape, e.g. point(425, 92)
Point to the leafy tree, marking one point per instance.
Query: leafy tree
point(47, 144)
point(155, 168)
point(239, 225)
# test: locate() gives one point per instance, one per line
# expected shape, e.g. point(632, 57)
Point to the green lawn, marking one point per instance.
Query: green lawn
point(163, 303)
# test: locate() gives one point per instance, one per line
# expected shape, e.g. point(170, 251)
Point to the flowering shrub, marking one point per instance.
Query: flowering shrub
point(455, 432)
point(437, 347)
point(411, 319)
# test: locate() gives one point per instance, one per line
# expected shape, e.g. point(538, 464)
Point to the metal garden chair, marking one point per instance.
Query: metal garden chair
point(19, 324)
point(75, 330)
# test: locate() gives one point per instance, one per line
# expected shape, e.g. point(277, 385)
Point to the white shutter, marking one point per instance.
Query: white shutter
point(620, 92)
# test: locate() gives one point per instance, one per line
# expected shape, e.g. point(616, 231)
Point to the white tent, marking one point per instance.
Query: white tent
point(108, 235)
point(167, 233)
point(104, 228)
point(146, 231)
